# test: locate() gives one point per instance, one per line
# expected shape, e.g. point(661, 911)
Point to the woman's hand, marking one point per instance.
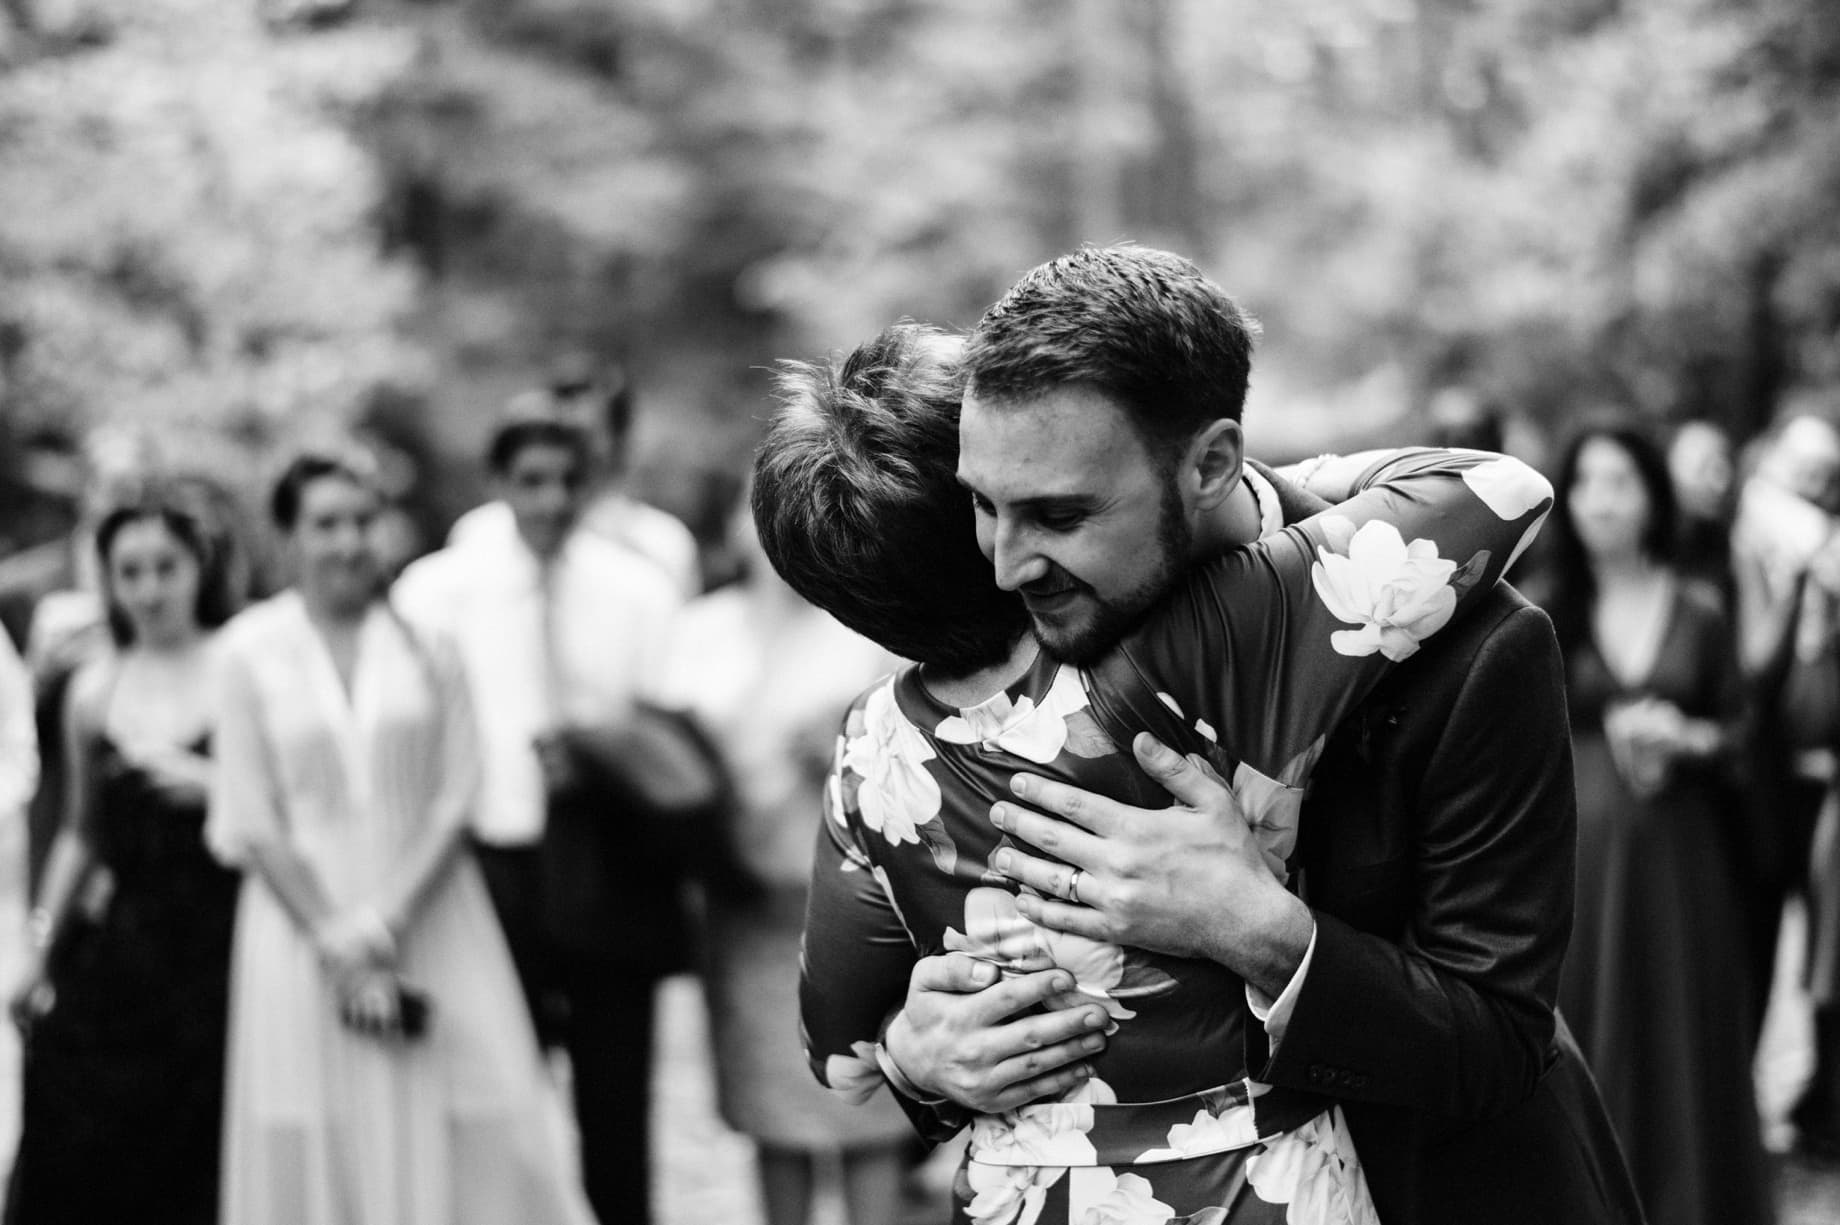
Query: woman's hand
point(33, 998)
point(370, 1002)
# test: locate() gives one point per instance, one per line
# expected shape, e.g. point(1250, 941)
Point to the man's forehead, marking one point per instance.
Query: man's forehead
point(1061, 442)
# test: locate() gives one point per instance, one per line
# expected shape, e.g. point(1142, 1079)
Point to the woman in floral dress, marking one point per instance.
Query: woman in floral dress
point(1251, 661)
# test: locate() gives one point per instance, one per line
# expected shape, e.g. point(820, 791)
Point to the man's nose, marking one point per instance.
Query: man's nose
point(1016, 559)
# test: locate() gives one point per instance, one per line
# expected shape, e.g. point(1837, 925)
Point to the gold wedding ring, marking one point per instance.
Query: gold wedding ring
point(1073, 886)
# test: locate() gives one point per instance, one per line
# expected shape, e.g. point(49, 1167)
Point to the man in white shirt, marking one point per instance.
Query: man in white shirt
point(604, 408)
point(561, 633)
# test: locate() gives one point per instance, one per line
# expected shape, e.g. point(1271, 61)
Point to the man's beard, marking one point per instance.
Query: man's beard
point(1110, 620)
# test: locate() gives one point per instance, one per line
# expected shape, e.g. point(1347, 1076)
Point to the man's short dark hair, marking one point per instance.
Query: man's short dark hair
point(857, 501)
point(532, 419)
point(1143, 326)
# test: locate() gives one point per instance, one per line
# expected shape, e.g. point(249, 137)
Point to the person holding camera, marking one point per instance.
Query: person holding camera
point(382, 1070)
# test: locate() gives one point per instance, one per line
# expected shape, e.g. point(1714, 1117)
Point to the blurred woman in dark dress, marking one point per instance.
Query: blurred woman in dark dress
point(125, 1017)
point(1656, 982)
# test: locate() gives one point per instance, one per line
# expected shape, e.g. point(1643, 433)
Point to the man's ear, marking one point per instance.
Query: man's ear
point(1216, 456)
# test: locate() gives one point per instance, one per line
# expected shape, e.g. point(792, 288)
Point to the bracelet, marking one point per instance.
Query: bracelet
point(897, 1079)
point(1308, 469)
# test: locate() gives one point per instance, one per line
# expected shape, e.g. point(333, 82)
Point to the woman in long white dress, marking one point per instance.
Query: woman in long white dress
point(345, 775)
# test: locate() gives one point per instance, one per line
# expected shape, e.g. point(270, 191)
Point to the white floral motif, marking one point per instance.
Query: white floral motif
point(996, 931)
point(1273, 811)
point(1511, 489)
point(1508, 487)
point(1033, 733)
point(1398, 594)
point(856, 1076)
point(1046, 1133)
point(897, 794)
point(1315, 1171)
point(1008, 1194)
point(1207, 1133)
point(1098, 1196)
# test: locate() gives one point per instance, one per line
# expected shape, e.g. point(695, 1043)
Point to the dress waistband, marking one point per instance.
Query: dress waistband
point(1090, 1127)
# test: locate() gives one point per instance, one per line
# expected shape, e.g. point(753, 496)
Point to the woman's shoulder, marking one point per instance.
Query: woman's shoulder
point(90, 684)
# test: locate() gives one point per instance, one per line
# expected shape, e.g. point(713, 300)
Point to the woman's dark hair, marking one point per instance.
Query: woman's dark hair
point(1570, 587)
point(182, 507)
point(348, 463)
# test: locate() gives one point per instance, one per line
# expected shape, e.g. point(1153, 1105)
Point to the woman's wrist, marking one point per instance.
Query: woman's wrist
point(358, 934)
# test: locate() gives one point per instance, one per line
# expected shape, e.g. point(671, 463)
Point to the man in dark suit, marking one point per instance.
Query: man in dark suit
point(1412, 975)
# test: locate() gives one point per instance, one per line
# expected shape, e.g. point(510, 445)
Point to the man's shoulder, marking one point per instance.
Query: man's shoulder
point(1505, 641)
point(1499, 619)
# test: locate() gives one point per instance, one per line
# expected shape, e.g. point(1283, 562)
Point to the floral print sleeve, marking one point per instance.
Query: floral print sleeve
point(857, 952)
point(1265, 649)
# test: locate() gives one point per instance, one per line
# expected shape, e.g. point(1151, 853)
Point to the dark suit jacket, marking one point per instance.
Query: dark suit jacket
point(1437, 852)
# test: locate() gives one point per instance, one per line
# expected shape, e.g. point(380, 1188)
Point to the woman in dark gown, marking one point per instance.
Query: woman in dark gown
point(124, 1014)
point(1656, 984)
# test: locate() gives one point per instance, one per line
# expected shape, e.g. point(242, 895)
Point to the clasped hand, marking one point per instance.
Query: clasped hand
point(1190, 880)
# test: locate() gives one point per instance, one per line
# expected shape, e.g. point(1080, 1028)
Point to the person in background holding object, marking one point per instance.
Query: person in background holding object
point(602, 405)
point(1657, 984)
point(382, 1070)
point(769, 677)
point(123, 1074)
point(562, 635)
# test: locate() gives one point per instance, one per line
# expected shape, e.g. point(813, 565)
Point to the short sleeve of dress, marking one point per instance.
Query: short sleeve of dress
point(1263, 650)
point(245, 810)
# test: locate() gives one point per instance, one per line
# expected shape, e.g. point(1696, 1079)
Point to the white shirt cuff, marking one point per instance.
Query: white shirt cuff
point(1275, 1015)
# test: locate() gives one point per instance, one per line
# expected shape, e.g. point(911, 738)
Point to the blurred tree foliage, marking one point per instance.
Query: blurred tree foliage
point(247, 215)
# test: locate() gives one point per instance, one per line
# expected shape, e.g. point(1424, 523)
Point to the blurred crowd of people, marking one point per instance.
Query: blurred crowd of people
point(318, 879)
point(323, 882)
point(1693, 589)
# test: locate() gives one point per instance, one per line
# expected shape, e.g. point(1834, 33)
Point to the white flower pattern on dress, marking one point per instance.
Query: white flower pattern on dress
point(1315, 1172)
point(1033, 733)
point(1508, 487)
point(1398, 594)
point(1273, 811)
point(1045, 1133)
point(1207, 1133)
point(1100, 1196)
point(998, 932)
point(854, 1077)
point(1511, 489)
point(897, 794)
point(1008, 1194)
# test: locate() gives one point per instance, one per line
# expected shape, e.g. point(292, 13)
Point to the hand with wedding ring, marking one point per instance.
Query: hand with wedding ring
point(1188, 880)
